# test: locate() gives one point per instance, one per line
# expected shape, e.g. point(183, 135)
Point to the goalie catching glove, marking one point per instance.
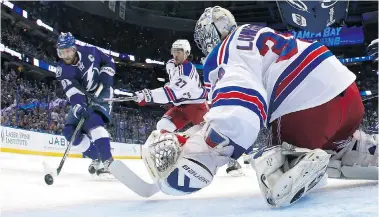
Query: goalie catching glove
point(181, 165)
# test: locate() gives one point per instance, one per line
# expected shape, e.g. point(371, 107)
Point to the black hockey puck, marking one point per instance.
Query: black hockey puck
point(49, 179)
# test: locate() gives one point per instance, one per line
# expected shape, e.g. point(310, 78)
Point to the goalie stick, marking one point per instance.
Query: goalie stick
point(131, 180)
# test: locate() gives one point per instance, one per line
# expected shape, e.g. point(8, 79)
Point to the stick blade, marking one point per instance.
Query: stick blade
point(49, 170)
point(131, 180)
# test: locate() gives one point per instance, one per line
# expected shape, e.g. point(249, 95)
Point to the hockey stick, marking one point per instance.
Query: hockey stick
point(120, 99)
point(55, 172)
point(370, 97)
point(49, 171)
point(125, 96)
point(131, 180)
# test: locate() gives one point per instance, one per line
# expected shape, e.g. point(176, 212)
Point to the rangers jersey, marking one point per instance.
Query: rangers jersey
point(257, 75)
point(184, 86)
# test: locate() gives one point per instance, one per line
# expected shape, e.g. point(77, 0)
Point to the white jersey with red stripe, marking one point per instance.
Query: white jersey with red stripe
point(184, 86)
point(257, 75)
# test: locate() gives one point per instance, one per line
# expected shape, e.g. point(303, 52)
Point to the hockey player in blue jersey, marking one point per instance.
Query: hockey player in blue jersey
point(85, 68)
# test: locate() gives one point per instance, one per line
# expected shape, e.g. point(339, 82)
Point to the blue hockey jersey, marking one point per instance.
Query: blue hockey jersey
point(94, 67)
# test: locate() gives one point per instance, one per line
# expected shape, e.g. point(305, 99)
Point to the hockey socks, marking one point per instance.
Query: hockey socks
point(103, 146)
point(91, 152)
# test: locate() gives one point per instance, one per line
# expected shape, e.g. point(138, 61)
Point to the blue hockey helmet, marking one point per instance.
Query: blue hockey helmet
point(65, 40)
point(66, 47)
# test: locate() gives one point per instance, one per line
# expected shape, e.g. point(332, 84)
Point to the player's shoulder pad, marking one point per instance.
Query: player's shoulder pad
point(83, 49)
point(88, 51)
point(64, 71)
point(187, 68)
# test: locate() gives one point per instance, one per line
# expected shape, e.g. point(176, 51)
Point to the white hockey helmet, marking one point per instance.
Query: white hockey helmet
point(212, 27)
point(182, 44)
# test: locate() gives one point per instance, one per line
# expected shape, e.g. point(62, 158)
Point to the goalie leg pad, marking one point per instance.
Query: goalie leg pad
point(357, 160)
point(299, 180)
point(269, 160)
point(282, 188)
point(267, 164)
point(339, 171)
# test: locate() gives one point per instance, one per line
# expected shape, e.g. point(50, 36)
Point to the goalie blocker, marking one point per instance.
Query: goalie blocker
point(181, 165)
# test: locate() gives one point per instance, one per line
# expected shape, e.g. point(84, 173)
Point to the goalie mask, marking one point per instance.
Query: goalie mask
point(212, 27)
point(176, 169)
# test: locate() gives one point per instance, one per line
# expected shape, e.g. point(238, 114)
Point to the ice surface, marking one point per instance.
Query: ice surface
point(76, 194)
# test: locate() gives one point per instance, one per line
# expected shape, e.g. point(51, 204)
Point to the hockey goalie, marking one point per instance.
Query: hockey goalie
point(259, 77)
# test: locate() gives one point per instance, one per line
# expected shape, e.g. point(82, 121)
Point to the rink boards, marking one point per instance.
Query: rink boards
point(34, 143)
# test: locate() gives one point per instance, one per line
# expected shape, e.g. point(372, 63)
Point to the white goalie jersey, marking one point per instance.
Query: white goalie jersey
point(257, 75)
point(184, 86)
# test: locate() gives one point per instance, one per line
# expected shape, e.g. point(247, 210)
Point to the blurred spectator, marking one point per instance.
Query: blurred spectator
point(122, 37)
point(18, 39)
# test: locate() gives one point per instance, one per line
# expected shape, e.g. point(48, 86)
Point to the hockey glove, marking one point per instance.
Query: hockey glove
point(81, 111)
point(144, 96)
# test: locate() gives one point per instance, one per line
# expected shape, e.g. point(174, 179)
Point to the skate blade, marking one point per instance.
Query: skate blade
point(103, 177)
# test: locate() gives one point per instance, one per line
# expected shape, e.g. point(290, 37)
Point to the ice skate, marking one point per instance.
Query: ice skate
point(103, 172)
point(94, 166)
point(234, 168)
